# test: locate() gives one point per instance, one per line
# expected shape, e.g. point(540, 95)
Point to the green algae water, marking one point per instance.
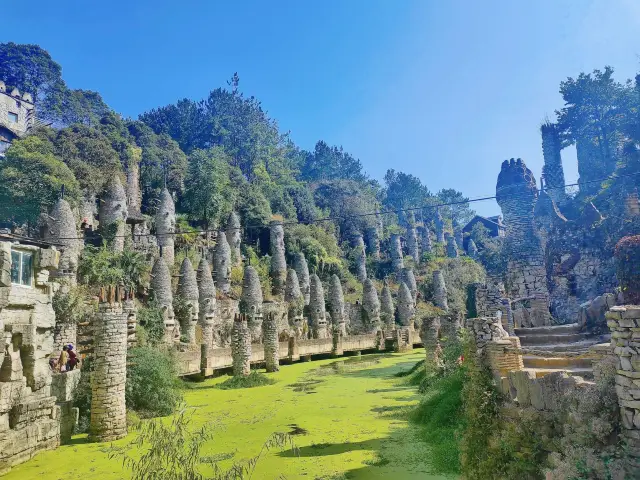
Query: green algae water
point(347, 416)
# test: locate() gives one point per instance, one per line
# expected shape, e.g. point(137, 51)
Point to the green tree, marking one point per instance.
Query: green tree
point(331, 163)
point(31, 179)
point(403, 190)
point(458, 212)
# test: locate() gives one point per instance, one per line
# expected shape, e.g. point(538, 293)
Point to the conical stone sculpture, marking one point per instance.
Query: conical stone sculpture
point(301, 268)
point(387, 309)
point(397, 260)
point(412, 243)
point(113, 214)
point(317, 312)
point(409, 278)
point(278, 270)
point(406, 308)
point(472, 249)
point(161, 288)
point(207, 301)
point(458, 234)
point(188, 292)
point(370, 306)
point(60, 229)
point(452, 246)
point(373, 242)
point(234, 238)
point(335, 304)
point(439, 291)
point(361, 258)
point(425, 238)
point(295, 300)
point(439, 223)
point(251, 302)
point(222, 264)
point(166, 226)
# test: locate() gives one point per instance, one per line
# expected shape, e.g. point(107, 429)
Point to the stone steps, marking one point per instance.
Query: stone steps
point(585, 373)
point(532, 361)
point(548, 338)
point(549, 330)
point(571, 347)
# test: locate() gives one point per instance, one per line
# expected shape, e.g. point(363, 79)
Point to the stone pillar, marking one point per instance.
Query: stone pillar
point(295, 300)
point(188, 291)
point(406, 307)
point(113, 214)
point(166, 226)
point(108, 408)
point(430, 336)
point(439, 223)
point(370, 307)
point(511, 328)
point(278, 269)
point(440, 291)
point(302, 271)
point(161, 288)
point(206, 302)
point(222, 264)
point(452, 245)
point(373, 242)
point(271, 344)
point(472, 249)
point(234, 238)
point(552, 170)
point(88, 211)
point(241, 346)
point(335, 304)
point(409, 278)
point(317, 312)
point(134, 196)
point(412, 243)
point(251, 302)
point(60, 228)
point(387, 310)
point(425, 239)
point(516, 193)
point(458, 235)
point(397, 260)
point(361, 258)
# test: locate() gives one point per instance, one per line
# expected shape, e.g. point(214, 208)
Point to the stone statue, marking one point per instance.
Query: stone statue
point(397, 260)
point(439, 291)
point(317, 312)
point(278, 270)
point(387, 310)
point(409, 278)
point(113, 214)
point(207, 301)
point(161, 288)
point(293, 296)
point(361, 258)
point(301, 268)
point(166, 226)
point(452, 246)
point(370, 306)
point(406, 308)
point(234, 238)
point(188, 291)
point(222, 264)
point(335, 304)
point(251, 302)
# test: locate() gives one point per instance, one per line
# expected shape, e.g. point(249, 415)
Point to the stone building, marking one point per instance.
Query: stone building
point(370, 307)
point(188, 293)
point(295, 301)
point(302, 271)
point(406, 307)
point(166, 227)
point(335, 305)
point(206, 301)
point(163, 295)
point(113, 214)
point(516, 193)
point(317, 313)
point(361, 258)
point(251, 302)
point(387, 309)
point(397, 259)
point(234, 238)
point(17, 115)
point(278, 270)
point(222, 264)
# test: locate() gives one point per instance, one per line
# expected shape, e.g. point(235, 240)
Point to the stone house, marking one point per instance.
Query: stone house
point(17, 115)
point(493, 224)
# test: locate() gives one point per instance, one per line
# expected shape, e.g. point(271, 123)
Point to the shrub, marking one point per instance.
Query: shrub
point(151, 319)
point(153, 388)
point(254, 379)
point(82, 396)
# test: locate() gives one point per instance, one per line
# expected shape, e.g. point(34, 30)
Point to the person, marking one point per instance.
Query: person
point(63, 359)
point(73, 358)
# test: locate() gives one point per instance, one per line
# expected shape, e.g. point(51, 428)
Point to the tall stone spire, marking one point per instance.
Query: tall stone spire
point(278, 269)
point(302, 270)
point(222, 264)
point(166, 226)
point(387, 310)
point(472, 249)
point(412, 243)
point(425, 239)
point(439, 223)
point(188, 291)
point(397, 260)
point(439, 291)
point(373, 242)
point(335, 304)
point(161, 288)
point(409, 279)
point(251, 302)
point(552, 170)
point(234, 238)
point(61, 229)
point(361, 258)
point(113, 214)
point(295, 300)
point(458, 234)
point(406, 308)
point(207, 301)
point(317, 312)
point(370, 306)
point(452, 246)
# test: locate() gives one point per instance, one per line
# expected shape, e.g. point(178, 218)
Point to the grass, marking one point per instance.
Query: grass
point(348, 417)
point(254, 379)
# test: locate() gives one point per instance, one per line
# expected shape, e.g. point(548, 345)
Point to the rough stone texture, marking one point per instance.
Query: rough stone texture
point(241, 346)
point(222, 264)
point(452, 245)
point(489, 300)
point(387, 310)
point(430, 336)
point(317, 313)
point(113, 214)
point(373, 242)
point(425, 239)
point(88, 212)
point(108, 408)
point(29, 418)
point(370, 307)
point(361, 258)
point(413, 249)
point(552, 170)
point(458, 235)
point(271, 343)
point(20, 104)
point(439, 223)
point(234, 238)
point(397, 260)
point(207, 302)
point(251, 302)
point(472, 249)
point(134, 196)
point(166, 226)
point(278, 270)
point(161, 288)
point(494, 345)
point(226, 310)
point(295, 300)
point(60, 228)
point(409, 278)
point(406, 307)
point(440, 291)
point(63, 387)
point(302, 270)
point(516, 193)
point(593, 313)
point(335, 305)
point(188, 291)
point(64, 333)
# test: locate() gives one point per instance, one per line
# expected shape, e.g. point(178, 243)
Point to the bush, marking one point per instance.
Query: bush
point(254, 379)
point(153, 388)
point(82, 396)
point(151, 319)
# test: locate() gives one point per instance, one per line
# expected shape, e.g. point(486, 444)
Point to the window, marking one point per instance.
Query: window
point(13, 117)
point(18, 104)
point(21, 267)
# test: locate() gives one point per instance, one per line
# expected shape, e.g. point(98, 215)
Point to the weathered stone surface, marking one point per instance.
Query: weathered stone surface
point(370, 307)
point(387, 309)
point(452, 245)
point(302, 270)
point(60, 228)
point(372, 236)
point(166, 226)
point(222, 264)
point(472, 249)
point(317, 312)
point(406, 307)
point(206, 301)
point(278, 269)
point(295, 300)
point(409, 278)
point(397, 259)
point(113, 214)
point(271, 344)
point(413, 248)
point(335, 305)
point(188, 291)
point(439, 291)
point(425, 239)
point(439, 223)
point(251, 302)
point(234, 238)
point(361, 258)
point(161, 288)
point(241, 346)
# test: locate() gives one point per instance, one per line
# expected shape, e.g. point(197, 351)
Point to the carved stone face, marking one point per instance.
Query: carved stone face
point(373, 312)
point(168, 315)
point(209, 310)
point(195, 311)
point(170, 221)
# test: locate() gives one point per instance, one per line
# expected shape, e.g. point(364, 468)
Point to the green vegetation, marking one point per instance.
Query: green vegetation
point(254, 379)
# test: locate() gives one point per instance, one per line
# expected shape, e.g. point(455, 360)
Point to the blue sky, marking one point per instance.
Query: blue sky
point(444, 90)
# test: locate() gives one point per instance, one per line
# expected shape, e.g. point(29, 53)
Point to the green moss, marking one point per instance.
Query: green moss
point(254, 379)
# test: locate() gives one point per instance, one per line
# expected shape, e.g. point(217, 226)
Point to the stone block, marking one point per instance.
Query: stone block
point(48, 259)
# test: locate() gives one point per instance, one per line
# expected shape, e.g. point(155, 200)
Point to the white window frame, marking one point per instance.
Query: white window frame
point(22, 255)
point(11, 115)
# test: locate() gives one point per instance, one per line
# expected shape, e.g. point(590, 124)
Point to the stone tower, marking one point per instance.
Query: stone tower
point(406, 308)
point(439, 223)
point(458, 234)
point(113, 214)
point(370, 307)
point(161, 287)
point(373, 242)
point(317, 312)
point(295, 300)
point(207, 301)
point(439, 291)
point(409, 279)
point(397, 260)
point(234, 238)
point(108, 407)
point(241, 346)
point(166, 226)
point(516, 194)
point(278, 270)
point(361, 258)
point(552, 170)
point(302, 270)
point(387, 310)
point(425, 239)
point(335, 304)
point(452, 246)
point(271, 344)
point(188, 291)
point(222, 264)
point(251, 302)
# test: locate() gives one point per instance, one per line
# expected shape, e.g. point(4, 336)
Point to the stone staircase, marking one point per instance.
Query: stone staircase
point(559, 348)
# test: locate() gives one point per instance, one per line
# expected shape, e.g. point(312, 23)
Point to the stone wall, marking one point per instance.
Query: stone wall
point(20, 105)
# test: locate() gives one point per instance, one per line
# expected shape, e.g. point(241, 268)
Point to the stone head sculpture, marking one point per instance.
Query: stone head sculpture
point(336, 305)
point(370, 306)
point(295, 300)
point(251, 302)
point(317, 312)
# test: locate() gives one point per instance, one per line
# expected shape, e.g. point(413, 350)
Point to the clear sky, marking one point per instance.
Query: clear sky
point(444, 90)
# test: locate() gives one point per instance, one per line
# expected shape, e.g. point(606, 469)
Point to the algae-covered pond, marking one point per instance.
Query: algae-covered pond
point(347, 418)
